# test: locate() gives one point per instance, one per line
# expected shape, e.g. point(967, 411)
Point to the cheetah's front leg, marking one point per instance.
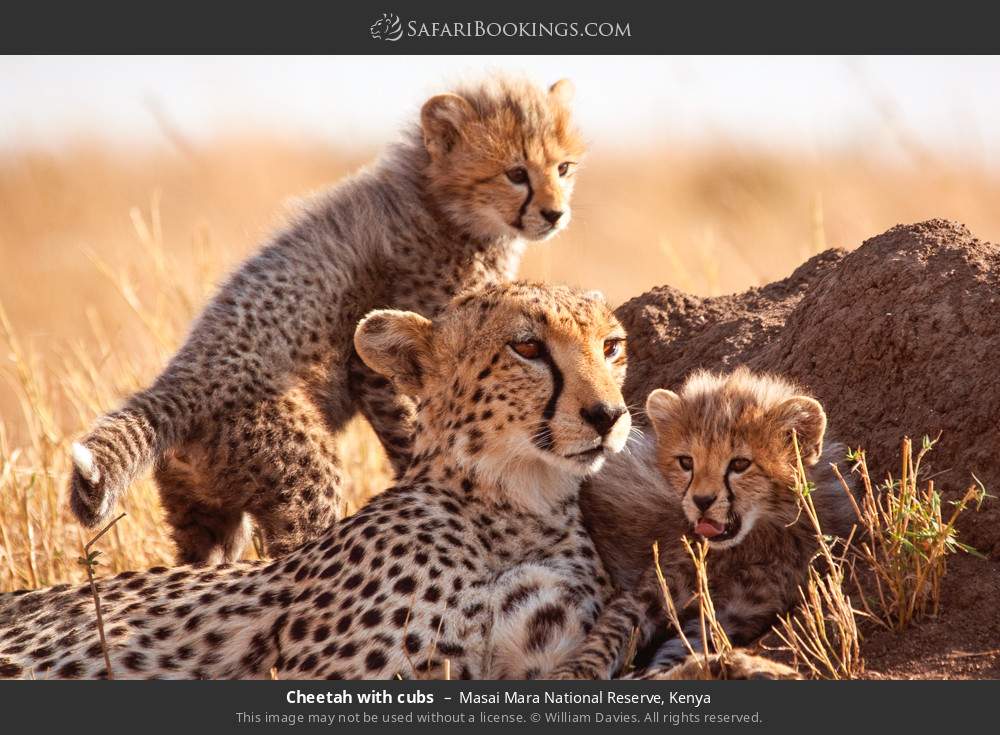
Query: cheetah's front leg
point(638, 612)
point(603, 651)
point(741, 628)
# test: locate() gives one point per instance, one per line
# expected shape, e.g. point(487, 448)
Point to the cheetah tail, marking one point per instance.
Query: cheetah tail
point(123, 445)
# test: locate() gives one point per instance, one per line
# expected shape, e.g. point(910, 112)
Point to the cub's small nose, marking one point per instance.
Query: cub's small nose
point(551, 215)
point(703, 502)
point(602, 416)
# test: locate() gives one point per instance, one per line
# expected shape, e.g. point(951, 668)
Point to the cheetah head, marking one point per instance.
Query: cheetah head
point(519, 383)
point(724, 445)
point(503, 157)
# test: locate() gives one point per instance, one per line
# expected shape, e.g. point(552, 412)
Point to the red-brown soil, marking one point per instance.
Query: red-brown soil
point(896, 338)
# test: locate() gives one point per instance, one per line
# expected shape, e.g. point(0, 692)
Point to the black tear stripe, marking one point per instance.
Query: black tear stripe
point(729, 490)
point(687, 488)
point(732, 519)
point(543, 438)
point(519, 222)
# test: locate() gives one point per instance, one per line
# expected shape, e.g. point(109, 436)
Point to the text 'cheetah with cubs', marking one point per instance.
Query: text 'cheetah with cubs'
point(243, 420)
point(721, 468)
point(478, 556)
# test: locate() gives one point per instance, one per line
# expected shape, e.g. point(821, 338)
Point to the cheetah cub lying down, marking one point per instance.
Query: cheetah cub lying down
point(721, 468)
point(243, 421)
point(478, 556)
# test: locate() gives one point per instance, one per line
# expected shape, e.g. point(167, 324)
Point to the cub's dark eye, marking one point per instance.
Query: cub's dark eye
point(530, 349)
point(739, 464)
point(686, 463)
point(565, 167)
point(613, 347)
point(518, 175)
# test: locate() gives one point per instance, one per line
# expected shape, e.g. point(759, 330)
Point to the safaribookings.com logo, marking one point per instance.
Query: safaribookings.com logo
point(390, 28)
point(387, 28)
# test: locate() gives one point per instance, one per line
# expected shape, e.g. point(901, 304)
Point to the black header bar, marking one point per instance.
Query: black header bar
point(511, 27)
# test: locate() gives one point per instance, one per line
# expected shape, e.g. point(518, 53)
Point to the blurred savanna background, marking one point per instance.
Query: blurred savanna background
point(130, 186)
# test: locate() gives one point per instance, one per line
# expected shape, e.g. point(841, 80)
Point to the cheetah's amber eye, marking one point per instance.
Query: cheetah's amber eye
point(564, 167)
point(613, 347)
point(518, 175)
point(530, 349)
point(686, 463)
point(739, 464)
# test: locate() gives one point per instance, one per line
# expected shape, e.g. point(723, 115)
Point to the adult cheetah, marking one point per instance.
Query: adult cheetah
point(242, 422)
point(478, 557)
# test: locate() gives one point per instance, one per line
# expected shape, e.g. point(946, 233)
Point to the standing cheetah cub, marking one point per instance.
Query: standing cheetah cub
point(478, 556)
point(243, 420)
point(721, 469)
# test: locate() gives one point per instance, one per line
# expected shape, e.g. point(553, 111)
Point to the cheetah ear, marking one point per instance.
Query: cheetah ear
point(806, 417)
point(441, 119)
point(396, 344)
point(662, 407)
point(562, 91)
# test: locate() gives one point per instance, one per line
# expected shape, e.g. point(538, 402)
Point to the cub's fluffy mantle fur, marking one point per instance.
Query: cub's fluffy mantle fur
point(242, 421)
point(721, 462)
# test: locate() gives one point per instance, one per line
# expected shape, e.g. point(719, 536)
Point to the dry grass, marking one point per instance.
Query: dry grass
point(90, 562)
point(905, 541)
point(822, 632)
point(108, 254)
point(894, 561)
point(711, 633)
point(716, 658)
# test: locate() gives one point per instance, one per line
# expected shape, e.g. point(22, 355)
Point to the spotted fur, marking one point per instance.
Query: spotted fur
point(242, 423)
point(478, 557)
point(664, 490)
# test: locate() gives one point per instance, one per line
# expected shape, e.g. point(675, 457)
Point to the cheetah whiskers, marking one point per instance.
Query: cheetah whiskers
point(635, 436)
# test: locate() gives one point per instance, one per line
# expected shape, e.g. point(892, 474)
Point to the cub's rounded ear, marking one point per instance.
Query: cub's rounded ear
point(662, 407)
point(806, 417)
point(441, 119)
point(396, 344)
point(562, 91)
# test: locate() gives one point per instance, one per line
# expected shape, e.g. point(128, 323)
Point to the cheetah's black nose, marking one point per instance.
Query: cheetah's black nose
point(703, 502)
point(551, 215)
point(602, 416)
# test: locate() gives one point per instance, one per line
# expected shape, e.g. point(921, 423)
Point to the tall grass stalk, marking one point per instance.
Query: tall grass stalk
point(822, 632)
point(907, 537)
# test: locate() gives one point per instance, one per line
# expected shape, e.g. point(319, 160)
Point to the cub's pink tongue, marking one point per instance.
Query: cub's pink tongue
point(708, 528)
